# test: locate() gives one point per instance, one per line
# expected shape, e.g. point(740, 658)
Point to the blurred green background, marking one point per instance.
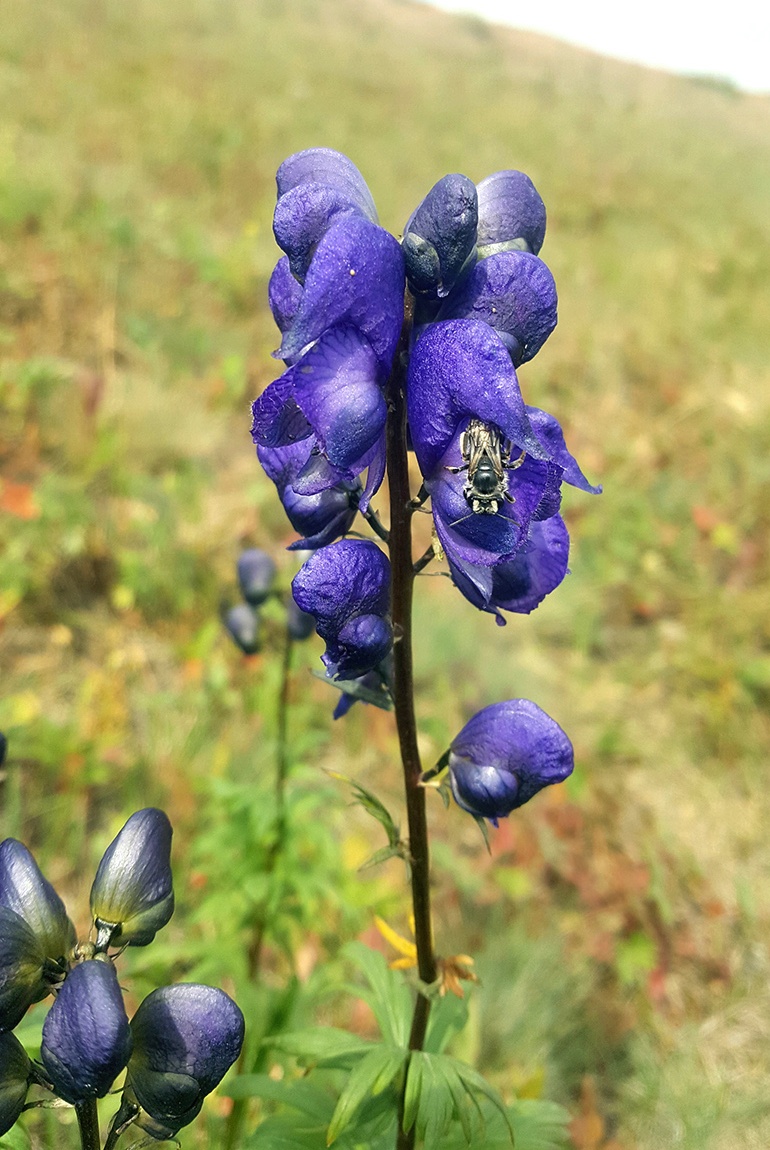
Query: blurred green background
point(621, 927)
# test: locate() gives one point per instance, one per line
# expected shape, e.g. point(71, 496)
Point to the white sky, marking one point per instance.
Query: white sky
point(730, 39)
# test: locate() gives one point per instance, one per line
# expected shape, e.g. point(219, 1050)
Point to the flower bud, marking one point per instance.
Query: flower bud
point(3, 748)
point(511, 214)
point(441, 236)
point(185, 1038)
point(14, 1080)
point(86, 1036)
point(22, 969)
point(256, 572)
point(505, 755)
point(24, 890)
point(242, 624)
point(132, 896)
point(300, 624)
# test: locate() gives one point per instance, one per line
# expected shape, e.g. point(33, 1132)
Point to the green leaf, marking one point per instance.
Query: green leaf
point(320, 1045)
point(301, 1095)
point(389, 998)
point(477, 1086)
point(382, 855)
point(374, 807)
point(448, 1016)
point(540, 1125)
point(373, 1074)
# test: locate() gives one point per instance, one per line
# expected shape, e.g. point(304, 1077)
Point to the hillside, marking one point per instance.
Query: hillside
point(138, 146)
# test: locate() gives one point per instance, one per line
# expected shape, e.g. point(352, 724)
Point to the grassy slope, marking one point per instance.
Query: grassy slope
point(137, 151)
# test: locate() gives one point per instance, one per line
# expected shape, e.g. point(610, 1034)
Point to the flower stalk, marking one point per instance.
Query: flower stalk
point(88, 1124)
point(402, 586)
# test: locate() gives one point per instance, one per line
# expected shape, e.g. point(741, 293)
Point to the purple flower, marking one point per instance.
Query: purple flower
point(346, 587)
point(132, 895)
point(242, 625)
point(299, 624)
point(23, 969)
point(14, 1080)
point(186, 1037)
point(519, 584)
point(3, 749)
point(440, 236)
point(86, 1037)
point(24, 890)
point(284, 295)
point(505, 755)
point(511, 214)
point(316, 188)
point(256, 572)
point(321, 516)
point(514, 293)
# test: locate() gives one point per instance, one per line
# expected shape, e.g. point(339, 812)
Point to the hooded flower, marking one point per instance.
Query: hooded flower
point(256, 572)
point(511, 214)
point(243, 627)
point(185, 1037)
point(440, 236)
point(23, 969)
point(14, 1080)
point(505, 755)
point(319, 516)
point(86, 1038)
point(24, 890)
point(346, 588)
point(132, 895)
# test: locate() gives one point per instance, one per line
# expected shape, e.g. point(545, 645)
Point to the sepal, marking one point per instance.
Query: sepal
point(132, 895)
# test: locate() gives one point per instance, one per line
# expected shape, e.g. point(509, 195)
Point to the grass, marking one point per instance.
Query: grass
point(137, 152)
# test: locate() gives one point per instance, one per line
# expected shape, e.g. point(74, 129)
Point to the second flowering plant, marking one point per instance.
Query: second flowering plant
point(391, 346)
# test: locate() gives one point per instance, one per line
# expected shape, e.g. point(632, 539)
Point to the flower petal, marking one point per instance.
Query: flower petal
point(256, 575)
point(336, 388)
point(14, 1080)
point(24, 890)
point(326, 166)
point(350, 577)
point(356, 277)
point(515, 294)
point(510, 210)
point(132, 896)
point(458, 370)
point(321, 517)
point(284, 294)
point(441, 235)
point(276, 418)
point(548, 430)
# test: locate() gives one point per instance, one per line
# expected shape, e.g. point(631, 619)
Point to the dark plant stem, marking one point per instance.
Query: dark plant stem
point(376, 524)
point(88, 1124)
point(402, 584)
point(426, 557)
point(262, 918)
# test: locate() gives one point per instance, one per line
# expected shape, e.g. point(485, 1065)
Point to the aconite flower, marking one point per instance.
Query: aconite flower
point(14, 1080)
point(86, 1037)
point(185, 1039)
point(25, 890)
point(132, 895)
point(505, 755)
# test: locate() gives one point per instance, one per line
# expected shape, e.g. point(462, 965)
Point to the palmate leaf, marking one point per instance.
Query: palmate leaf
point(388, 995)
point(303, 1095)
point(442, 1091)
point(325, 1046)
point(373, 1074)
point(372, 806)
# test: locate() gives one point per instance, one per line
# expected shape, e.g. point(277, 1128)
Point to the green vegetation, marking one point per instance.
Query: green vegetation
point(621, 930)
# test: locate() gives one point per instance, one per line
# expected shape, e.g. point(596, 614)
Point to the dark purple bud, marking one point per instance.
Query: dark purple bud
point(23, 969)
point(132, 896)
point(346, 588)
point(299, 623)
point(24, 890)
point(242, 624)
point(515, 294)
point(519, 584)
point(256, 572)
point(505, 755)
point(316, 189)
point(356, 278)
point(284, 294)
point(321, 517)
point(3, 749)
point(440, 236)
point(86, 1036)
point(511, 214)
point(186, 1037)
point(14, 1080)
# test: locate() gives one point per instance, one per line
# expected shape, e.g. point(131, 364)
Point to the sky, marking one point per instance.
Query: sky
point(730, 39)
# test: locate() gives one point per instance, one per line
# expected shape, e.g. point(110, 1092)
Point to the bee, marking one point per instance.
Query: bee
point(486, 458)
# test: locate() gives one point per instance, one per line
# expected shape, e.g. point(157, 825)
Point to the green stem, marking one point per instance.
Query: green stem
point(262, 919)
point(402, 584)
point(88, 1124)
